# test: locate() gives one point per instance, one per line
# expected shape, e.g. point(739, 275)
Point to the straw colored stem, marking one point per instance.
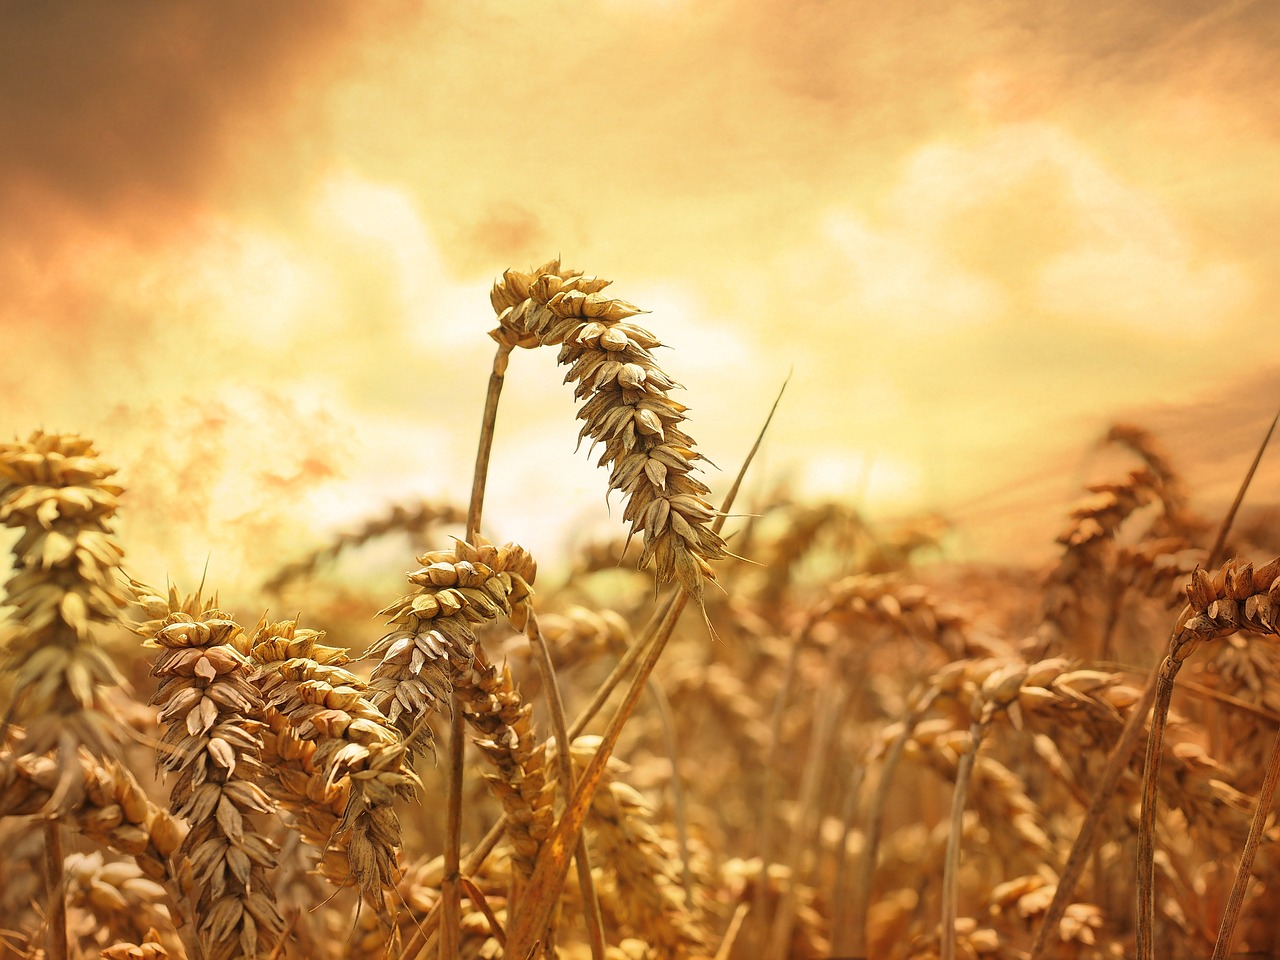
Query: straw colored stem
point(955, 838)
point(1146, 948)
point(476, 507)
point(806, 820)
point(1244, 870)
point(451, 889)
point(731, 933)
point(55, 893)
point(564, 762)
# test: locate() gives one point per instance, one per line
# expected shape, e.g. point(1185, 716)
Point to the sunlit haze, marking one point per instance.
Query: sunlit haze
point(247, 247)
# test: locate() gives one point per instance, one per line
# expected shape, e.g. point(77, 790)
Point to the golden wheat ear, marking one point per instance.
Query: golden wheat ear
point(626, 408)
point(212, 712)
point(64, 588)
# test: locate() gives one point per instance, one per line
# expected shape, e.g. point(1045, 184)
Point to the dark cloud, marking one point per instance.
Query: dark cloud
point(106, 107)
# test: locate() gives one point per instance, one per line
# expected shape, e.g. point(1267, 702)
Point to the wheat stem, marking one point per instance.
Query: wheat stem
point(955, 838)
point(1244, 870)
point(564, 762)
point(806, 819)
point(451, 889)
point(1147, 818)
point(55, 893)
point(451, 892)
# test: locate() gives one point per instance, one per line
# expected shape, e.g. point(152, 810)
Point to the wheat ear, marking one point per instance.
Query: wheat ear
point(347, 759)
point(212, 711)
point(626, 407)
point(493, 707)
point(435, 627)
point(65, 582)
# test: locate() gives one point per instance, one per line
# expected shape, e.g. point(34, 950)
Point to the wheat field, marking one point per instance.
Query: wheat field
point(753, 728)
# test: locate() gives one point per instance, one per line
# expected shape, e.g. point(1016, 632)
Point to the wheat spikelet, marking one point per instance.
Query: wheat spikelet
point(350, 757)
point(66, 566)
point(492, 706)
point(626, 407)
point(212, 711)
point(150, 609)
point(435, 627)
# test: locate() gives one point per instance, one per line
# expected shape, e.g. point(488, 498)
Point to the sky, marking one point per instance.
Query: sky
point(247, 248)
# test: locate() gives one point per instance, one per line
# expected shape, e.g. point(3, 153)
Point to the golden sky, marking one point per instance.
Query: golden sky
point(247, 246)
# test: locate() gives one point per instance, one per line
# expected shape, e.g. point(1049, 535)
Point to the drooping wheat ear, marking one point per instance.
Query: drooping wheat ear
point(645, 898)
point(1141, 441)
point(888, 607)
point(66, 563)
point(1087, 564)
point(111, 807)
point(626, 407)
point(213, 741)
point(493, 707)
point(413, 519)
point(337, 759)
point(435, 628)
